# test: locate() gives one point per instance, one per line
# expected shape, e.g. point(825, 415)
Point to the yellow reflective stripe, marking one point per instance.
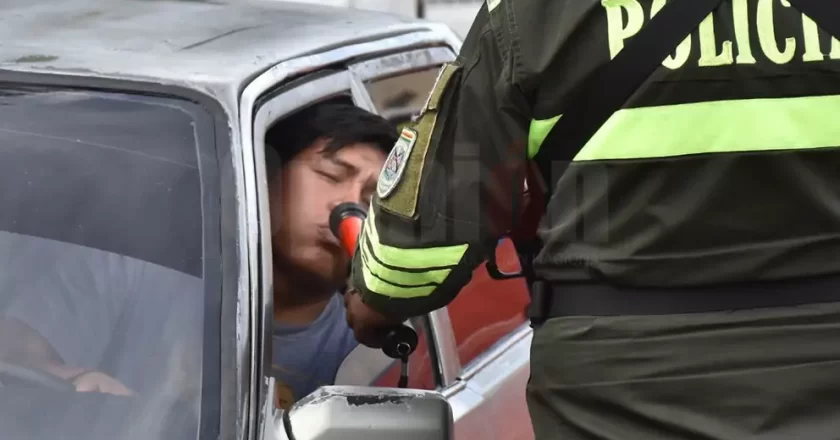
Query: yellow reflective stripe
point(422, 258)
point(397, 276)
point(537, 132)
point(384, 288)
point(747, 125)
point(391, 282)
point(717, 127)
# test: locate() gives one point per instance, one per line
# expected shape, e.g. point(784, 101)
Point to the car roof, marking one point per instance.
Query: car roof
point(177, 41)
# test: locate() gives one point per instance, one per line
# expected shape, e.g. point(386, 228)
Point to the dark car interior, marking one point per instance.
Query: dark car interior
point(103, 174)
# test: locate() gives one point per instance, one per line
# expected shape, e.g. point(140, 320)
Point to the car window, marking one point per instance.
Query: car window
point(313, 353)
point(102, 252)
point(487, 310)
point(400, 97)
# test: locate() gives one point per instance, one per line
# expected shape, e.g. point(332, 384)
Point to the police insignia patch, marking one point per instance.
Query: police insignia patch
point(394, 167)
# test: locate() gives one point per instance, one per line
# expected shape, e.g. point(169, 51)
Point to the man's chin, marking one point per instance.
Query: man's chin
point(331, 270)
point(325, 280)
point(319, 271)
point(337, 280)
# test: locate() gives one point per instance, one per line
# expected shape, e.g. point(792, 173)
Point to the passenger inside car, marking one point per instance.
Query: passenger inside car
point(71, 315)
point(106, 275)
point(322, 156)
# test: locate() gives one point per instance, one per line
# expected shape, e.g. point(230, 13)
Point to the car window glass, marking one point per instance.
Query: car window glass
point(487, 310)
point(402, 96)
point(102, 257)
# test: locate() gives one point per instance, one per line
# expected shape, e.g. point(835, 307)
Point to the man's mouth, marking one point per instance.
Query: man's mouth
point(329, 238)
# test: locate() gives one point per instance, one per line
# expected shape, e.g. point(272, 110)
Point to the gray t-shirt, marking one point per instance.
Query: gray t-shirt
point(136, 321)
point(307, 357)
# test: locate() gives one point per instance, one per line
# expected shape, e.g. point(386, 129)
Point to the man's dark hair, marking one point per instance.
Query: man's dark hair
point(339, 121)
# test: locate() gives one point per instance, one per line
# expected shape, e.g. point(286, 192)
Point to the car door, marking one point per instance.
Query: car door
point(487, 335)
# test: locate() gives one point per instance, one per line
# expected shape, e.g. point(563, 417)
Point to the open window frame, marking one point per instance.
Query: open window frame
point(258, 412)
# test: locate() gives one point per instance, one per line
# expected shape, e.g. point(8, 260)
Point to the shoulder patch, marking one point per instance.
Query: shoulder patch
point(394, 166)
point(398, 188)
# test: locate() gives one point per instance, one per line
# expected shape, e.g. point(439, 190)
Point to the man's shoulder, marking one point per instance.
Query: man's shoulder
point(309, 356)
point(328, 333)
point(341, 329)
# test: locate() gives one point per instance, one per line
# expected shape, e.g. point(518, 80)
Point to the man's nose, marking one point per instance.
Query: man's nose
point(352, 192)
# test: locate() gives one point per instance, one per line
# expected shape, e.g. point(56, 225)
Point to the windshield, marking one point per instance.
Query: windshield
point(103, 286)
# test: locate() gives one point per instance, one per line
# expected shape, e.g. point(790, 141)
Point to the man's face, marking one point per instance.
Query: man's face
point(301, 198)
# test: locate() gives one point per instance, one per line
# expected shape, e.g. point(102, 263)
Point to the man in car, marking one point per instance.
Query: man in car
point(316, 159)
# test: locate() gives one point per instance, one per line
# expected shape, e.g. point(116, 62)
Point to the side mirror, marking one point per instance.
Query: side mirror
point(369, 413)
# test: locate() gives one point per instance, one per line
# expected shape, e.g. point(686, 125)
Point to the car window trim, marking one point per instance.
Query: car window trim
point(360, 94)
point(446, 347)
point(401, 63)
point(254, 418)
point(431, 34)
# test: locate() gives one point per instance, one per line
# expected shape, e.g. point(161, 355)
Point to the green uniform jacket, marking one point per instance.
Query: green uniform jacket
point(723, 167)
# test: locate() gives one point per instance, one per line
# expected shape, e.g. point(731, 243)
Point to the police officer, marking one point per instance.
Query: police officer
point(687, 280)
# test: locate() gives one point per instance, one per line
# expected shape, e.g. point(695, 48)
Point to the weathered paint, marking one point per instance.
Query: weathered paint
point(212, 46)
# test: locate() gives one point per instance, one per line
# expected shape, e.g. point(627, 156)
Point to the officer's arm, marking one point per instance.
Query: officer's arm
point(446, 192)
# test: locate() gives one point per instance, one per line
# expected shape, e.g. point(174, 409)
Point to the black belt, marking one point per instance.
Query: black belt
point(553, 300)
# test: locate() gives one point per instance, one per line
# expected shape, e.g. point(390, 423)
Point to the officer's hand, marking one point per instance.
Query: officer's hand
point(367, 323)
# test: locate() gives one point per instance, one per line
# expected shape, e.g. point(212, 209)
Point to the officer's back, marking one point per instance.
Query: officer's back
point(688, 285)
point(721, 168)
point(689, 279)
